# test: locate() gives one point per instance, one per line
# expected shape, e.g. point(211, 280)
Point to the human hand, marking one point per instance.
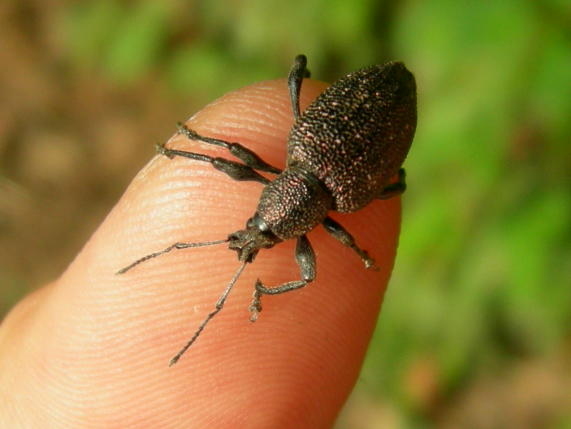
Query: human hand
point(92, 348)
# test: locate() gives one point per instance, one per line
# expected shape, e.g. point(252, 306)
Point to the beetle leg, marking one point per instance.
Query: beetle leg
point(235, 170)
point(305, 258)
point(394, 189)
point(341, 234)
point(295, 78)
point(244, 154)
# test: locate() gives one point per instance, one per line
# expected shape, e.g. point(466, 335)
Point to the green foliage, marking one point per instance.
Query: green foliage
point(123, 42)
point(484, 264)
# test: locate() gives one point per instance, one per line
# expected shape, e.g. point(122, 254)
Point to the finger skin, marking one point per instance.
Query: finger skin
point(92, 349)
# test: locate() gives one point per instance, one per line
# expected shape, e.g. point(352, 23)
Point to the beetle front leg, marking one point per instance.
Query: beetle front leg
point(305, 258)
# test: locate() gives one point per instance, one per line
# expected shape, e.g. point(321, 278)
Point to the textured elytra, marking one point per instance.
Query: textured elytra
point(355, 136)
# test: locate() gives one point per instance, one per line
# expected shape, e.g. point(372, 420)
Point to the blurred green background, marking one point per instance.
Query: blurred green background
point(475, 329)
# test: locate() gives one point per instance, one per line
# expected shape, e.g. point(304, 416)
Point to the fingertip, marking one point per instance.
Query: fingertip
point(121, 330)
point(309, 343)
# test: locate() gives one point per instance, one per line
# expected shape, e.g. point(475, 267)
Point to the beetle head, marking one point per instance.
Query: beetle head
point(248, 242)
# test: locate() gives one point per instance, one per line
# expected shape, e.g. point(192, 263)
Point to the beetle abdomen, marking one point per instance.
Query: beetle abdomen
point(355, 136)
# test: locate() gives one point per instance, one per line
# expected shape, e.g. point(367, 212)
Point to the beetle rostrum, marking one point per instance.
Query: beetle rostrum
point(343, 152)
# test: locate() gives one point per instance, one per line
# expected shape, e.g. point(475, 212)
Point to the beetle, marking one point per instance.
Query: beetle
point(342, 153)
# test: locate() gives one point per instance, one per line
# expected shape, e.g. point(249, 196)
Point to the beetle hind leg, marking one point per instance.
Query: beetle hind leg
point(235, 170)
point(247, 156)
point(394, 189)
point(295, 78)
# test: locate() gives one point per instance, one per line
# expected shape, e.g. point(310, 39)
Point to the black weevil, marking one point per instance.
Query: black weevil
point(343, 151)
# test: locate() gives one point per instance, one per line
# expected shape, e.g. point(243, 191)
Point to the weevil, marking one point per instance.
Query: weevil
point(342, 153)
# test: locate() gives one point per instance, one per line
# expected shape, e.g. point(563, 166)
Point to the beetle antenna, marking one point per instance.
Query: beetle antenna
point(219, 305)
point(168, 249)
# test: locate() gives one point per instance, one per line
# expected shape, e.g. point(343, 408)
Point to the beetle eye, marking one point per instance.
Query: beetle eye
point(257, 222)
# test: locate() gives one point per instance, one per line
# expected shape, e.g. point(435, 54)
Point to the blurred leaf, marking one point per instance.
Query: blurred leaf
point(123, 41)
point(89, 25)
point(138, 41)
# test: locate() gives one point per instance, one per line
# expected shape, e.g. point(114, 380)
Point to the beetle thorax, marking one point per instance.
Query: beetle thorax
point(294, 203)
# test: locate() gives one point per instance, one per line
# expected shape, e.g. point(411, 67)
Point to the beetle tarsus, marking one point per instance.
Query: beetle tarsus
point(305, 258)
point(256, 306)
point(394, 189)
point(340, 233)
